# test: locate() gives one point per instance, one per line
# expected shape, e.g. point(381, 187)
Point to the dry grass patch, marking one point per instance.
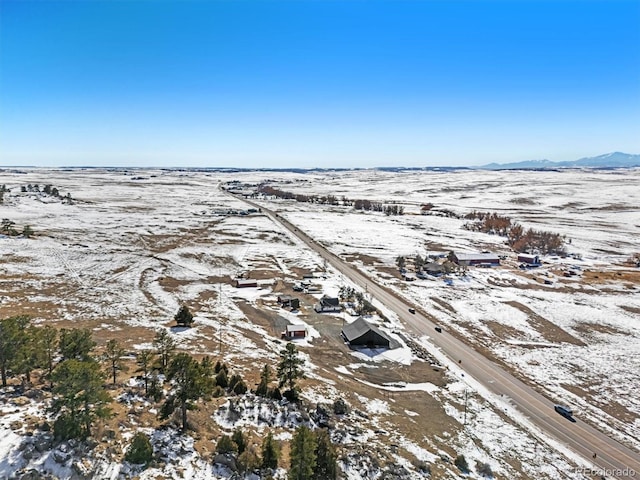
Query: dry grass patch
point(549, 330)
point(619, 276)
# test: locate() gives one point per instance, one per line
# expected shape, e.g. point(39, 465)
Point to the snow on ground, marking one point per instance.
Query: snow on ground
point(121, 240)
point(602, 230)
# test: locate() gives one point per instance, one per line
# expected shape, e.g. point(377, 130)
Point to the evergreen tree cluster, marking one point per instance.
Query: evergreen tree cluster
point(66, 359)
point(49, 190)
point(360, 204)
point(361, 304)
point(8, 227)
point(313, 455)
point(78, 379)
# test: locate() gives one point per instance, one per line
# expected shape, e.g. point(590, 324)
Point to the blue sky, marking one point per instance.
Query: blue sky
point(316, 83)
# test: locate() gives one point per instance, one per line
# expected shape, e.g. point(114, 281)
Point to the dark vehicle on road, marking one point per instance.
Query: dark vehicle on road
point(565, 412)
point(412, 310)
point(439, 329)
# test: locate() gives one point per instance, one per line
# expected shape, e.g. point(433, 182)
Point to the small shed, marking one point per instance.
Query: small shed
point(246, 282)
point(361, 333)
point(295, 331)
point(284, 299)
point(288, 301)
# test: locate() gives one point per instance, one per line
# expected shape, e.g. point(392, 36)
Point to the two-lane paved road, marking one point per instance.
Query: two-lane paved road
point(613, 459)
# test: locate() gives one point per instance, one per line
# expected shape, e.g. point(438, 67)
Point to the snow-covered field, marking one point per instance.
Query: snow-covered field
point(134, 245)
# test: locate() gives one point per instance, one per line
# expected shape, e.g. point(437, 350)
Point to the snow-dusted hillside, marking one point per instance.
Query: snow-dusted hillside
point(132, 246)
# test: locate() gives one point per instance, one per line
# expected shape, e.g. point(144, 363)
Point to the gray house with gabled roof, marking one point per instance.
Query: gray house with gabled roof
point(361, 333)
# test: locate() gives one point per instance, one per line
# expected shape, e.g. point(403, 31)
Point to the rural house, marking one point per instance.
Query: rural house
point(327, 304)
point(433, 268)
point(361, 333)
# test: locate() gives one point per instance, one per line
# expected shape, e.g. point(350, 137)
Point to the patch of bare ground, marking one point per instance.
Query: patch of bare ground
point(9, 259)
point(569, 206)
point(264, 272)
point(443, 304)
point(38, 298)
point(630, 309)
point(598, 277)
point(522, 201)
point(361, 258)
point(588, 328)
point(481, 337)
point(502, 331)
point(550, 331)
point(162, 243)
point(391, 271)
point(269, 320)
point(437, 247)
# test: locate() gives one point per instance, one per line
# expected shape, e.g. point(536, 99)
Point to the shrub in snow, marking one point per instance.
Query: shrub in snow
point(461, 463)
point(291, 395)
point(221, 379)
point(184, 316)
point(276, 394)
point(484, 469)
point(140, 451)
point(340, 407)
point(239, 439)
point(422, 467)
point(226, 445)
point(66, 427)
point(249, 461)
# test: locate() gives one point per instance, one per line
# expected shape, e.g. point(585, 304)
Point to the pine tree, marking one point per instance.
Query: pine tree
point(222, 379)
point(240, 440)
point(79, 394)
point(144, 361)
point(190, 382)
point(226, 445)
point(461, 463)
point(165, 346)
point(27, 231)
point(270, 452)
point(265, 378)
point(303, 455)
point(12, 339)
point(184, 316)
point(290, 368)
point(76, 343)
point(248, 461)
point(326, 457)
point(113, 356)
point(140, 451)
point(8, 226)
point(30, 354)
point(49, 348)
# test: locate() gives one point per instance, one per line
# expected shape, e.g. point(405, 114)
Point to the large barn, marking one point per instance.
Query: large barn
point(361, 333)
point(482, 259)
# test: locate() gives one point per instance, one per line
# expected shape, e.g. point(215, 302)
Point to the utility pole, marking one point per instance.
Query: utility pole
point(466, 395)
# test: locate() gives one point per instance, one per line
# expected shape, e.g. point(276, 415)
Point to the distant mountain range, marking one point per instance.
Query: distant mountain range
point(608, 160)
